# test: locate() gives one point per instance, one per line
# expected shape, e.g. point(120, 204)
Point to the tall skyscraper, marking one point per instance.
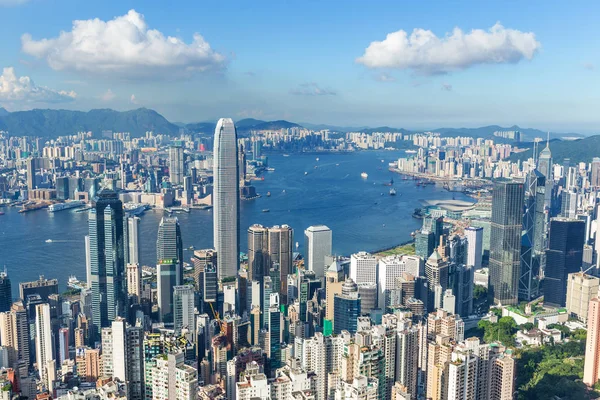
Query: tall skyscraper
point(107, 259)
point(505, 241)
point(14, 332)
point(563, 257)
point(346, 308)
point(133, 240)
point(5, 292)
point(281, 240)
point(167, 272)
point(544, 166)
point(44, 347)
point(226, 199)
point(176, 165)
point(317, 245)
point(258, 252)
point(595, 172)
point(183, 309)
point(30, 162)
point(169, 245)
point(591, 371)
point(363, 267)
point(134, 281)
point(474, 237)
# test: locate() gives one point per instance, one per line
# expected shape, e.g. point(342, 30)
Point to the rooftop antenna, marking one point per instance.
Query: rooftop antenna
point(548, 140)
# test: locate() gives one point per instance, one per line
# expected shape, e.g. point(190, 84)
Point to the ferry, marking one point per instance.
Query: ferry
point(65, 206)
point(135, 209)
point(410, 152)
point(266, 210)
point(76, 284)
point(364, 175)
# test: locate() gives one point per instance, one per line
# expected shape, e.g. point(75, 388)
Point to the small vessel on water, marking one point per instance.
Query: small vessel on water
point(364, 175)
point(48, 240)
point(266, 210)
point(390, 183)
point(268, 194)
point(1, 212)
point(317, 158)
point(305, 173)
point(392, 192)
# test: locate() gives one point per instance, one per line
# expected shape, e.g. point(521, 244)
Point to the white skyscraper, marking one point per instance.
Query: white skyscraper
point(176, 166)
point(133, 226)
point(134, 280)
point(392, 267)
point(318, 246)
point(226, 199)
point(474, 237)
point(363, 268)
point(44, 348)
point(183, 308)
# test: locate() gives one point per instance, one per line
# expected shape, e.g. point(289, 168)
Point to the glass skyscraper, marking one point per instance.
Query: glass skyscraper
point(169, 245)
point(564, 256)
point(226, 199)
point(346, 308)
point(505, 247)
point(107, 259)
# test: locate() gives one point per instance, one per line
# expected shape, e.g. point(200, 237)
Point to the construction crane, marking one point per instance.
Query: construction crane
point(222, 324)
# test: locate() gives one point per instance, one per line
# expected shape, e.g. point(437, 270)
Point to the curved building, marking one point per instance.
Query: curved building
point(226, 199)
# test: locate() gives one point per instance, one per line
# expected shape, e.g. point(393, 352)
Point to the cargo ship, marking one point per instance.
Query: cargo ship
point(65, 206)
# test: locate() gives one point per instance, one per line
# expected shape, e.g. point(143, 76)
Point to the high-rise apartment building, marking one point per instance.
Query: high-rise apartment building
point(176, 165)
point(505, 247)
point(226, 199)
point(581, 289)
point(317, 245)
point(563, 257)
point(591, 371)
point(172, 379)
point(134, 281)
point(107, 259)
point(44, 345)
point(14, 333)
point(169, 245)
point(30, 163)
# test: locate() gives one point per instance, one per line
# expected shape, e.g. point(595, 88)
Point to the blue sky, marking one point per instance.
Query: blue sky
point(308, 61)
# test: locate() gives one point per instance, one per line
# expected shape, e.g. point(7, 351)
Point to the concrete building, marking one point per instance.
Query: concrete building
point(44, 345)
point(474, 237)
point(317, 245)
point(581, 289)
point(591, 372)
point(363, 268)
point(176, 165)
point(172, 379)
point(390, 268)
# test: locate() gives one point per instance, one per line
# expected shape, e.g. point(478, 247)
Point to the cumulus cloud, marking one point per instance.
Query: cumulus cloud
point(424, 52)
point(447, 87)
point(23, 89)
point(123, 46)
point(383, 77)
point(108, 95)
point(312, 89)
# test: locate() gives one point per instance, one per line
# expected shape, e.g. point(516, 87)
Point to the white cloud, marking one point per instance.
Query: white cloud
point(312, 89)
point(133, 100)
point(424, 52)
point(125, 47)
point(23, 89)
point(108, 95)
point(447, 87)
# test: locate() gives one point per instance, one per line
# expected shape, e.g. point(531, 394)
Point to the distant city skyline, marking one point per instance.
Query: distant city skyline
point(371, 65)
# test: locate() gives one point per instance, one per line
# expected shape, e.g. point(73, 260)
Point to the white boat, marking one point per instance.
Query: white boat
point(317, 158)
point(410, 151)
point(305, 173)
point(48, 240)
point(76, 284)
point(364, 175)
point(65, 206)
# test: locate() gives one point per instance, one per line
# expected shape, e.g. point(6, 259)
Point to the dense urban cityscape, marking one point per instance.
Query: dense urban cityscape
point(299, 200)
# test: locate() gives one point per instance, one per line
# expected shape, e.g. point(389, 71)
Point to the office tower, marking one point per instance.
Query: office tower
point(435, 225)
point(242, 164)
point(62, 187)
point(595, 173)
point(183, 305)
point(281, 240)
point(474, 237)
point(462, 282)
point(505, 247)
point(202, 261)
point(591, 371)
point(436, 271)
point(172, 379)
point(363, 267)
point(581, 289)
point(63, 345)
point(275, 322)
point(544, 166)
point(564, 256)
point(134, 281)
point(258, 252)
point(169, 245)
point(107, 259)
point(424, 243)
point(30, 163)
point(43, 287)
point(5, 292)
point(44, 347)
point(390, 268)
point(167, 272)
point(133, 240)
point(533, 238)
point(368, 297)
point(176, 165)
point(334, 279)
point(226, 199)
point(317, 245)
point(346, 308)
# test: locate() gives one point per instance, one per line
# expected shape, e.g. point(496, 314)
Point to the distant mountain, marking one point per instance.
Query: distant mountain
point(207, 128)
point(243, 126)
point(528, 134)
point(3, 112)
point(248, 123)
point(274, 125)
point(581, 150)
point(334, 128)
point(53, 123)
point(387, 129)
